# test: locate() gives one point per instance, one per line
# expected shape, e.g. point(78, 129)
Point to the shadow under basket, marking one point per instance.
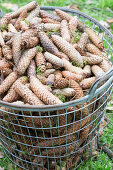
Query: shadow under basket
point(53, 137)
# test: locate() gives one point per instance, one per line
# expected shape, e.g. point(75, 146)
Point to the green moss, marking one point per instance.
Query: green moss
point(61, 97)
point(40, 49)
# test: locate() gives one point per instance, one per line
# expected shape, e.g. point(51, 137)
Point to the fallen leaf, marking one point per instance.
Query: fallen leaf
point(1, 155)
point(105, 24)
point(73, 6)
point(110, 21)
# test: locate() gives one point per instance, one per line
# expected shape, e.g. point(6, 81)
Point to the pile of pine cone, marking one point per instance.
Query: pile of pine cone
point(47, 59)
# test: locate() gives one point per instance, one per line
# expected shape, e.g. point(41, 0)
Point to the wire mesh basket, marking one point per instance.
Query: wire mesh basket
point(52, 137)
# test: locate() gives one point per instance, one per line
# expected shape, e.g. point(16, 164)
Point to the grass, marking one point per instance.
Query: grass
point(100, 10)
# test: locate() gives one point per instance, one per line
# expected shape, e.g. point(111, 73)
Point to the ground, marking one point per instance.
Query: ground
point(101, 10)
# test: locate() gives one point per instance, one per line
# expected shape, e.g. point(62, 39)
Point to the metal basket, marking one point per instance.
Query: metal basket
point(52, 137)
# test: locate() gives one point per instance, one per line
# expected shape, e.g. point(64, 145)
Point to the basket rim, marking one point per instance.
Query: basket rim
point(66, 104)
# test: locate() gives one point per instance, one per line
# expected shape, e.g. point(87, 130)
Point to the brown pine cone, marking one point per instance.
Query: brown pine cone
point(40, 62)
point(80, 26)
point(25, 60)
point(31, 71)
point(45, 14)
point(6, 71)
point(42, 79)
point(49, 20)
point(93, 49)
point(7, 83)
point(69, 75)
point(13, 21)
point(30, 6)
point(9, 42)
point(68, 92)
point(82, 43)
point(48, 72)
point(61, 83)
point(27, 94)
point(7, 35)
point(24, 25)
point(29, 41)
point(63, 15)
point(22, 16)
point(97, 71)
point(53, 59)
point(34, 13)
point(11, 96)
point(65, 30)
point(67, 48)
point(7, 52)
point(1, 40)
point(35, 22)
point(73, 24)
point(51, 27)
point(68, 66)
point(5, 20)
point(30, 33)
point(43, 94)
point(87, 70)
point(11, 29)
point(49, 65)
point(0, 53)
point(16, 48)
point(50, 79)
point(87, 82)
point(4, 64)
point(93, 60)
point(105, 65)
point(58, 74)
point(94, 38)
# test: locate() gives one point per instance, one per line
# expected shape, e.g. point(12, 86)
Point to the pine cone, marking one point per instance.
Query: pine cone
point(65, 31)
point(22, 16)
point(93, 49)
point(24, 26)
point(80, 26)
point(93, 60)
point(69, 75)
point(4, 64)
point(5, 20)
point(6, 71)
point(7, 35)
point(45, 14)
point(58, 75)
point(51, 27)
point(11, 96)
point(49, 65)
point(35, 22)
point(87, 82)
point(29, 41)
point(49, 20)
point(53, 59)
point(87, 70)
point(11, 29)
point(68, 66)
point(25, 60)
point(42, 79)
point(7, 52)
point(50, 79)
point(97, 71)
point(0, 53)
point(48, 72)
point(34, 13)
point(94, 38)
point(68, 92)
point(40, 61)
point(31, 71)
point(82, 43)
point(13, 21)
point(16, 48)
point(1, 40)
point(30, 33)
point(61, 83)
point(7, 83)
point(27, 94)
point(73, 24)
point(105, 65)
point(30, 6)
point(67, 48)
point(63, 14)
point(42, 93)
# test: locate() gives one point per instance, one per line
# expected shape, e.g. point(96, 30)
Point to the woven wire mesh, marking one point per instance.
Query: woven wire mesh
point(53, 137)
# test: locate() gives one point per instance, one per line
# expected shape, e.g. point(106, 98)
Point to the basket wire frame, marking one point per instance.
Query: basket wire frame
point(36, 138)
